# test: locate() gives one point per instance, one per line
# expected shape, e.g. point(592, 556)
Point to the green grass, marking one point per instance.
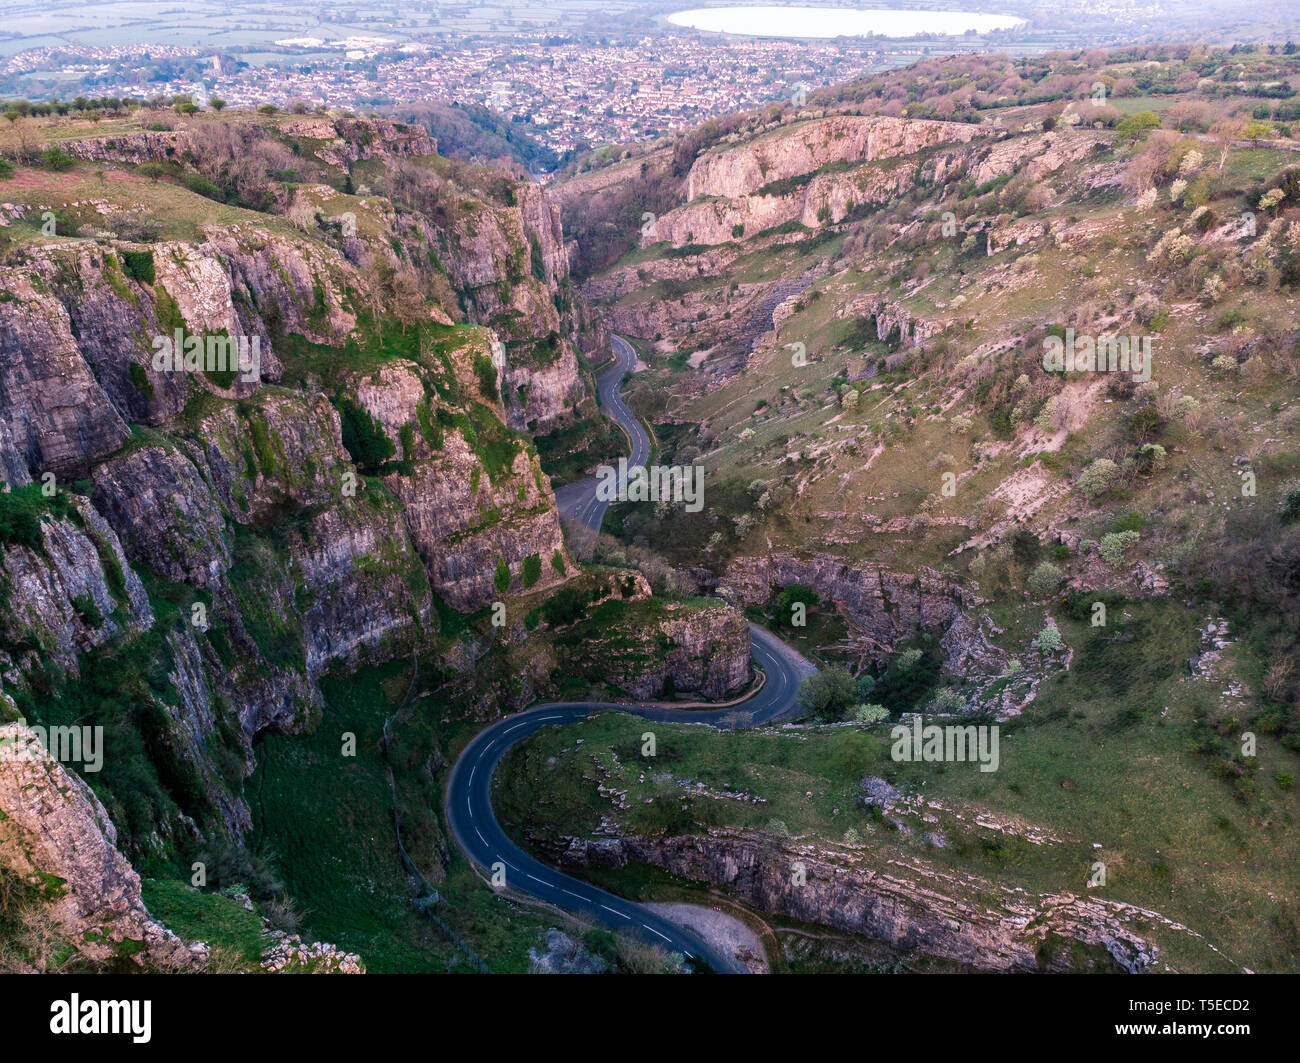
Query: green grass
point(198, 915)
point(327, 820)
point(1095, 759)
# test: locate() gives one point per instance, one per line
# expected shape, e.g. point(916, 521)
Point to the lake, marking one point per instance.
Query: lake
point(837, 21)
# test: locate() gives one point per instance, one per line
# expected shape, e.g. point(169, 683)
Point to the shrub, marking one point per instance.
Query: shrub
point(794, 594)
point(501, 579)
point(1223, 364)
point(1049, 639)
point(487, 375)
point(138, 265)
point(1152, 456)
point(946, 701)
point(868, 713)
point(1044, 579)
point(1114, 545)
point(141, 380)
point(532, 569)
point(1099, 478)
point(55, 158)
point(565, 607)
point(138, 226)
point(200, 185)
point(363, 436)
point(1288, 508)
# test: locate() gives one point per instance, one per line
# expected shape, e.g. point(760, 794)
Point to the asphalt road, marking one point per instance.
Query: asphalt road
point(473, 822)
point(579, 499)
point(470, 815)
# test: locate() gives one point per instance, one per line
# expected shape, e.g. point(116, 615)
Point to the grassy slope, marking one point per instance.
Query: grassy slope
point(1173, 838)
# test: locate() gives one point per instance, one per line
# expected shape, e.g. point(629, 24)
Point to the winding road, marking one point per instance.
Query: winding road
point(470, 815)
point(579, 499)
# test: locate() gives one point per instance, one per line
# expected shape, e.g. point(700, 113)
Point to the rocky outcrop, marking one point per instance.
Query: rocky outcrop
point(54, 416)
point(709, 652)
point(472, 503)
point(894, 323)
point(56, 838)
point(69, 593)
point(811, 173)
point(336, 141)
point(807, 146)
point(928, 912)
point(885, 607)
point(827, 197)
point(690, 650)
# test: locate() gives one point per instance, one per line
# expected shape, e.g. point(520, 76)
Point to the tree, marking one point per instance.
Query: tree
point(1256, 131)
point(828, 693)
point(794, 594)
point(1137, 125)
point(407, 300)
point(383, 280)
point(532, 569)
point(216, 103)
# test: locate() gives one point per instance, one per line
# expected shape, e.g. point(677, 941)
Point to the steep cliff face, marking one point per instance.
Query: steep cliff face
point(479, 500)
point(887, 607)
point(58, 842)
point(811, 173)
point(807, 146)
point(915, 910)
point(281, 530)
point(513, 268)
point(56, 417)
point(65, 589)
point(336, 141)
point(664, 650)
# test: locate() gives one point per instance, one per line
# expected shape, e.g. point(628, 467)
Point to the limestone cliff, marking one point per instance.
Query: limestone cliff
point(914, 909)
point(58, 841)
